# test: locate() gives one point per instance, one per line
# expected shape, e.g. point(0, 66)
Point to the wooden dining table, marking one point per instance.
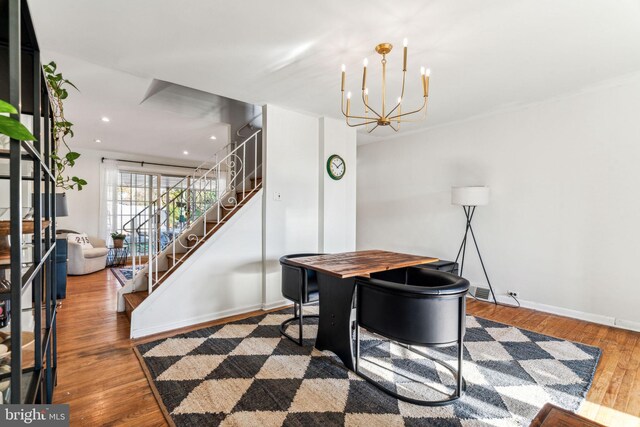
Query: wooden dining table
point(336, 282)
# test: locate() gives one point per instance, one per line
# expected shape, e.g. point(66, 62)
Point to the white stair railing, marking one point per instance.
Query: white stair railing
point(208, 198)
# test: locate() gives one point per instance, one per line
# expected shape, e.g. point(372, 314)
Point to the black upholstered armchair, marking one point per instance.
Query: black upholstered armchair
point(300, 286)
point(420, 308)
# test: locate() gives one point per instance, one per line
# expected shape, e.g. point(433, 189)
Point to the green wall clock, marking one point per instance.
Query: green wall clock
point(336, 167)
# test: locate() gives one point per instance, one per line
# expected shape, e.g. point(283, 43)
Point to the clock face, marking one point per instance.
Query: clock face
point(336, 167)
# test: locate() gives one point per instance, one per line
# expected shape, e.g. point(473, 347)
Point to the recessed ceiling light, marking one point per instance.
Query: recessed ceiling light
point(97, 140)
point(185, 152)
point(213, 137)
point(106, 119)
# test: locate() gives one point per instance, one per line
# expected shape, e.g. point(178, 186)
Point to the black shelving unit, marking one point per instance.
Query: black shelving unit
point(31, 265)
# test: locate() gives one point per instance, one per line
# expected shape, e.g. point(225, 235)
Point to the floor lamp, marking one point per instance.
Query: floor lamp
point(470, 198)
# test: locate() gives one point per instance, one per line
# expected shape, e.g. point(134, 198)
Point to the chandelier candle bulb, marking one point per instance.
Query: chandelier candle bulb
point(404, 60)
point(366, 100)
point(364, 73)
point(348, 103)
point(426, 82)
point(343, 76)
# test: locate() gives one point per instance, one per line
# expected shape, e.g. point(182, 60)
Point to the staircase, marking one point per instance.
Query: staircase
point(163, 235)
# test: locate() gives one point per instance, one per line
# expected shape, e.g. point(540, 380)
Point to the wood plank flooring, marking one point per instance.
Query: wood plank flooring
point(101, 379)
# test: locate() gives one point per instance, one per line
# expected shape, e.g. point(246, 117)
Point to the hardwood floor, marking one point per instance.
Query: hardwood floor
point(98, 374)
point(101, 378)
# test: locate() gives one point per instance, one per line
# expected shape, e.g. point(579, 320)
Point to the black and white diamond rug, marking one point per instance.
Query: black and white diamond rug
point(245, 373)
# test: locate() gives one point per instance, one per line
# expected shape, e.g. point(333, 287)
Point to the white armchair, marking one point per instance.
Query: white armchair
point(85, 260)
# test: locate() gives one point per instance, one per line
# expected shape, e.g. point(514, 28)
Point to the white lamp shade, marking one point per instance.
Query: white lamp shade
point(470, 196)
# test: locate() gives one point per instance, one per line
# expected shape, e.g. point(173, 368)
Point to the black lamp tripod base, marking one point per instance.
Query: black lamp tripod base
point(468, 212)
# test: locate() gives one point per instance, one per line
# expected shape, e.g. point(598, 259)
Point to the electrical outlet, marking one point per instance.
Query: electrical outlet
point(512, 293)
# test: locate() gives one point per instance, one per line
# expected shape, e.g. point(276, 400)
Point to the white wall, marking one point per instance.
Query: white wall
point(291, 156)
point(222, 278)
point(337, 218)
point(561, 227)
point(84, 206)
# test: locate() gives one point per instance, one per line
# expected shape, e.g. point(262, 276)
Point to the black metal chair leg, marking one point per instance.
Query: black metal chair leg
point(297, 317)
point(461, 329)
point(301, 323)
point(461, 385)
point(357, 349)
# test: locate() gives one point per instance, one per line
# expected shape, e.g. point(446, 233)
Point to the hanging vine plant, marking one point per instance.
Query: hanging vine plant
point(62, 156)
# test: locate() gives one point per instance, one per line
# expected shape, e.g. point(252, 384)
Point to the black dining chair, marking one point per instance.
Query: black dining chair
point(300, 286)
point(423, 308)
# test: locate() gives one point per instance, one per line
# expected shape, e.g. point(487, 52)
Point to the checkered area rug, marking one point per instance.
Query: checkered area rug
point(245, 373)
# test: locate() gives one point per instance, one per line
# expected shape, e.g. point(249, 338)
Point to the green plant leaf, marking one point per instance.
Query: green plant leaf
point(72, 155)
point(14, 129)
point(71, 84)
point(5, 107)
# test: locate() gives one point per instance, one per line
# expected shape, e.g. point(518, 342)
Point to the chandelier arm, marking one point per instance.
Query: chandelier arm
point(373, 128)
point(362, 124)
point(404, 75)
point(362, 118)
point(424, 104)
point(369, 107)
point(411, 120)
point(393, 127)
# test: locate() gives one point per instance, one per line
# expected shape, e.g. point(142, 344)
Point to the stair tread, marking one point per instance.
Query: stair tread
point(134, 299)
point(241, 203)
point(160, 271)
point(176, 256)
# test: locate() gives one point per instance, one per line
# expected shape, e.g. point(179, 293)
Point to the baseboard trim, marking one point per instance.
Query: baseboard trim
point(628, 324)
point(276, 304)
point(574, 314)
point(143, 332)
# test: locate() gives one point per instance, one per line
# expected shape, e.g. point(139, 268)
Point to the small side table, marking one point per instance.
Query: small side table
point(117, 257)
point(554, 416)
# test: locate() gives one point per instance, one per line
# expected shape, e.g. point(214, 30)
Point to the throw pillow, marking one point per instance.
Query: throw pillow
point(81, 239)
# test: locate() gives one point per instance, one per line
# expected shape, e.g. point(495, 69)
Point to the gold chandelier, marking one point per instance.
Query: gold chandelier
point(395, 116)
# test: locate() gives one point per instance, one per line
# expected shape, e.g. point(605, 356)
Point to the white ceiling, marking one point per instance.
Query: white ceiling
point(136, 127)
point(484, 55)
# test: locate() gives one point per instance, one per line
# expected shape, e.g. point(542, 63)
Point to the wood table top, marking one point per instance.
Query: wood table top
point(359, 263)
